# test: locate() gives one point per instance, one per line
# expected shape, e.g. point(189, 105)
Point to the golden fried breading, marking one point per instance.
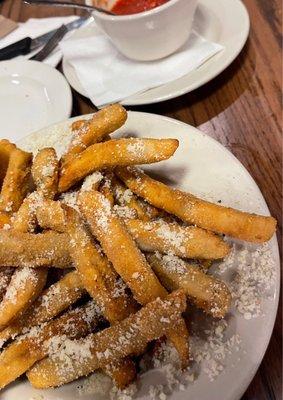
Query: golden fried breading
point(119, 247)
point(5, 219)
point(112, 153)
point(187, 242)
point(21, 354)
point(98, 277)
point(125, 256)
point(48, 249)
point(206, 264)
point(50, 215)
point(128, 337)
point(24, 220)
point(45, 172)
point(206, 292)
point(95, 271)
point(6, 149)
point(52, 301)
point(27, 283)
point(16, 182)
point(5, 277)
point(77, 125)
point(125, 197)
point(90, 131)
point(24, 287)
point(216, 218)
point(123, 372)
point(106, 188)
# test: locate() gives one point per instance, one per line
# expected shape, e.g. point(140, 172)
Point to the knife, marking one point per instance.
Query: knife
point(26, 45)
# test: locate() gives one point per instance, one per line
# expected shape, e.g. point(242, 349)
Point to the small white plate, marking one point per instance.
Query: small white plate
point(32, 94)
point(203, 167)
point(223, 21)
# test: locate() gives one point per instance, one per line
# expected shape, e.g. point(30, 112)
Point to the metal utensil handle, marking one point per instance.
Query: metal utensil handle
point(16, 49)
point(68, 4)
point(51, 44)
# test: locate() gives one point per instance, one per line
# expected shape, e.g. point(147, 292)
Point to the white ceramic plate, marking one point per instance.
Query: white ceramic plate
point(206, 168)
point(32, 94)
point(223, 21)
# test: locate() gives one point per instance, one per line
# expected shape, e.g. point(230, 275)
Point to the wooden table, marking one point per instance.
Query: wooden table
point(241, 108)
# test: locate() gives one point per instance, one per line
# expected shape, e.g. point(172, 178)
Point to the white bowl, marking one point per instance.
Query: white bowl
point(153, 34)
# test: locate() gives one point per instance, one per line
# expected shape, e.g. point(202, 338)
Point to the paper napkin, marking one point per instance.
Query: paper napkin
point(107, 76)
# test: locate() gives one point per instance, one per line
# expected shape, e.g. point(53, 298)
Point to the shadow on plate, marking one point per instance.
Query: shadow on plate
point(208, 101)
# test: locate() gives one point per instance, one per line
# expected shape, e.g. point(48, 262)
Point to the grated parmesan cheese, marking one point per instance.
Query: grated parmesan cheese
point(19, 280)
point(172, 263)
point(175, 239)
point(48, 170)
point(252, 274)
point(103, 214)
point(9, 206)
point(137, 148)
point(6, 227)
point(120, 288)
point(70, 199)
point(91, 180)
point(125, 212)
point(211, 350)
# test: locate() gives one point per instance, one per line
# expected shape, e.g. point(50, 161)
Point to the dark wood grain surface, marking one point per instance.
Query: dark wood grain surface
point(241, 108)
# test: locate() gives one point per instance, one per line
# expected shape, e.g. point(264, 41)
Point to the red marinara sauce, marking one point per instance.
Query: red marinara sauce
point(125, 7)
